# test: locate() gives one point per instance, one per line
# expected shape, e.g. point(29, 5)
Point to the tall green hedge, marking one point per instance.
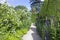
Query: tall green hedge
point(49, 20)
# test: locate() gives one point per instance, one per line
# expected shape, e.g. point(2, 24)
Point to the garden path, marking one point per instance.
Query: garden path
point(31, 34)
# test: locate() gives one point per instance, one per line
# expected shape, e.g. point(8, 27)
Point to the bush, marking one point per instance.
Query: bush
point(13, 24)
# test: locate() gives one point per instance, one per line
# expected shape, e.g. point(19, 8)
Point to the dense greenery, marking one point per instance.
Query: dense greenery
point(20, 7)
point(48, 23)
point(13, 23)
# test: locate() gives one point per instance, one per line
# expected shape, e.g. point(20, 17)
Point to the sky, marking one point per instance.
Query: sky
point(18, 2)
point(2, 1)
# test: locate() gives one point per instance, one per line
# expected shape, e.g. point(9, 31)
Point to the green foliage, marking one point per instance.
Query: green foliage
point(20, 7)
point(13, 24)
point(50, 11)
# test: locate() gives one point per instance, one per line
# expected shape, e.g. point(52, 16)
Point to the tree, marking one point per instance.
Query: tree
point(20, 7)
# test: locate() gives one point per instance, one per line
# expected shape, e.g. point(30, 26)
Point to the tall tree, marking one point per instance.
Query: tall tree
point(20, 7)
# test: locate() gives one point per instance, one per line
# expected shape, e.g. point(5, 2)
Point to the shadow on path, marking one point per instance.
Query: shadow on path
point(32, 34)
point(35, 34)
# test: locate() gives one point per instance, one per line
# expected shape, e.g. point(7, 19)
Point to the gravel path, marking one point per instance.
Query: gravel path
point(31, 34)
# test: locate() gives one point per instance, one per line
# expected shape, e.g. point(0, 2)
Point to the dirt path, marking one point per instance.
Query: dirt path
point(31, 34)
